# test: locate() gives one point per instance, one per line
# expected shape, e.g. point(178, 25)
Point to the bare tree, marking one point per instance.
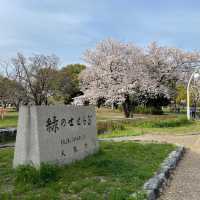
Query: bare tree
point(34, 74)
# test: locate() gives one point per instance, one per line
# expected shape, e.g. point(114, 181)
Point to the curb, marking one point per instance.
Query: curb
point(154, 185)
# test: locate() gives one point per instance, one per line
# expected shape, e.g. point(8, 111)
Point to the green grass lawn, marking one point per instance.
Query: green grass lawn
point(10, 120)
point(169, 123)
point(115, 172)
point(140, 124)
point(150, 124)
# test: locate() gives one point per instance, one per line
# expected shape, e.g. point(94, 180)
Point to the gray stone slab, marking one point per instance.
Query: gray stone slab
point(55, 134)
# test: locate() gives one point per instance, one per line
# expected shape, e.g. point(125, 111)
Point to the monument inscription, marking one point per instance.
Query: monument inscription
point(55, 134)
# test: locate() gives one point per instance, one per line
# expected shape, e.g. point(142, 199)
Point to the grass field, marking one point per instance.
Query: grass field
point(10, 120)
point(140, 124)
point(164, 124)
point(169, 123)
point(115, 172)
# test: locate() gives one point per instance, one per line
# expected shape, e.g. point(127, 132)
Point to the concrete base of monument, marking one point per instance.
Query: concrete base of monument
point(55, 134)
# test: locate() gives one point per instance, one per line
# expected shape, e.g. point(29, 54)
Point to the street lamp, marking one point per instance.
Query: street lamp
point(196, 75)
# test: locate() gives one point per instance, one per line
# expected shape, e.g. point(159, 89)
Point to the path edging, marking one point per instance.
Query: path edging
point(154, 185)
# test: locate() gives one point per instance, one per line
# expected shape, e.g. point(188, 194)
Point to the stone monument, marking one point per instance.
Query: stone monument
point(55, 134)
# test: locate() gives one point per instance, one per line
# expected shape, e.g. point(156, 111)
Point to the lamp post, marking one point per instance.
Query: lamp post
point(195, 74)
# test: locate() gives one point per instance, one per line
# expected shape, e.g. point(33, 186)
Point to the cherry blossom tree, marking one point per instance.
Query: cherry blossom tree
point(112, 63)
point(119, 70)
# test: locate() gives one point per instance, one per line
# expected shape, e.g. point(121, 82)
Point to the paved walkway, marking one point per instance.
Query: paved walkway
point(185, 184)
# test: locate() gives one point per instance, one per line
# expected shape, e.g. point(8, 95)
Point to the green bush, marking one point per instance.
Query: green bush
point(37, 176)
point(169, 123)
point(8, 137)
point(48, 173)
point(26, 174)
point(103, 127)
point(147, 110)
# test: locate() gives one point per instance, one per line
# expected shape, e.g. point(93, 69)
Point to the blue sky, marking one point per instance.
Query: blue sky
point(68, 27)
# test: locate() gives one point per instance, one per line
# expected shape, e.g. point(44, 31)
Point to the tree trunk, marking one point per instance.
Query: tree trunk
point(127, 106)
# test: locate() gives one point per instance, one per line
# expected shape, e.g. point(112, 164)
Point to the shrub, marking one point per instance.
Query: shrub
point(28, 174)
point(171, 123)
point(107, 126)
point(180, 121)
point(7, 135)
point(148, 110)
point(48, 173)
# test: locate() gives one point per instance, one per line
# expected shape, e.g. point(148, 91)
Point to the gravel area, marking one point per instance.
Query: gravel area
point(186, 178)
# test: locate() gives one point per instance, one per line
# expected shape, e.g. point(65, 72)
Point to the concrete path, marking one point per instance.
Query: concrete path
point(185, 183)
